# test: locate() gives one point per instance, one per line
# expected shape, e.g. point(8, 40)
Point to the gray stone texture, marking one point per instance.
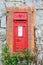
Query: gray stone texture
point(38, 20)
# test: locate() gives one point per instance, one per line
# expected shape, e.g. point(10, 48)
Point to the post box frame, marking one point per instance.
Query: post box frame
point(9, 34)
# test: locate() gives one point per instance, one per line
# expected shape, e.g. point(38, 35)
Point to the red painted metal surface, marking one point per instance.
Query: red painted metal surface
point(20, 31)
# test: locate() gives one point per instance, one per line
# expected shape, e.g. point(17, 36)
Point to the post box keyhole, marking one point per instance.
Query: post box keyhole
point(18, 40)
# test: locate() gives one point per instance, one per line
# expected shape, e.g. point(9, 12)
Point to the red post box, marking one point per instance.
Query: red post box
point(20, 28)
point(20, 31)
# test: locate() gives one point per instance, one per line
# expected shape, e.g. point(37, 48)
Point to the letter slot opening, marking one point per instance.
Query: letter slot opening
point(19, 20)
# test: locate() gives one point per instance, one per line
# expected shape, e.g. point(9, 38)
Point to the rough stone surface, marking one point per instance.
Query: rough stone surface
point(38, 4)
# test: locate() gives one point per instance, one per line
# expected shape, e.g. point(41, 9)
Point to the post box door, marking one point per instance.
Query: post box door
point(20, 34)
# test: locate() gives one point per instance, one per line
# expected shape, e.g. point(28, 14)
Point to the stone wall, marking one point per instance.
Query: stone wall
point(38, 20)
